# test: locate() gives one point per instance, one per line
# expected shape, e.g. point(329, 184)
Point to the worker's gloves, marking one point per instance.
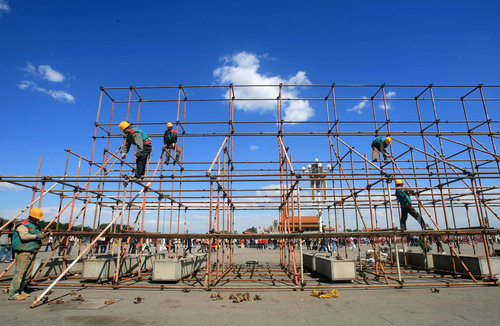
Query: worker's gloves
point(165, 147)
point(42, 236)
point(123, 156)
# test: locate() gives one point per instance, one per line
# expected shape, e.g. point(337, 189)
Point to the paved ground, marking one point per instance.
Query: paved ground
point(388, 306)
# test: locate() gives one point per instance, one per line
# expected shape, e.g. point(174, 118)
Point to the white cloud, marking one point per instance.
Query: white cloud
point(358, 108)
point(4, 6)
point(29, 68)
point(298, 110)
point(242, 69)
point(272, 190)
point(9, 187)
point(61, 96)
point(50, 74)
point(57, 95)
point(253, 147)
point(25, 84)
point(389, 94)
point(45, 72)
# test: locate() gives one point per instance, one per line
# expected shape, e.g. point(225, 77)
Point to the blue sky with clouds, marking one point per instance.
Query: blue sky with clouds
point(54, 56)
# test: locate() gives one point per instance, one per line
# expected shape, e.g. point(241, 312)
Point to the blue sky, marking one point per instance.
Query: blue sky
point(55, 55)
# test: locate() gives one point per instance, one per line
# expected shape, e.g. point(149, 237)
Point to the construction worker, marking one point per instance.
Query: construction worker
point(380, 144)
point(170, 142)
point(142, 141)
point(26, 241)
point(403, 195)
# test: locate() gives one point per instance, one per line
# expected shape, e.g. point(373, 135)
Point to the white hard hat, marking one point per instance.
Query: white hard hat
point(329, 166)
point(303, 168)
point(308, 166)
point(320, 165)
point(316, 159)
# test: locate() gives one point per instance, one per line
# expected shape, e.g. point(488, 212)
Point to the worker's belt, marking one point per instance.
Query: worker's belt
point(406, 206)
point(30, 252)
point(147, 143)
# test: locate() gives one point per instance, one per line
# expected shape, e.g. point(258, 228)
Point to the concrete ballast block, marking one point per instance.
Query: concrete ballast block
point(176, 269)
point(336, 270)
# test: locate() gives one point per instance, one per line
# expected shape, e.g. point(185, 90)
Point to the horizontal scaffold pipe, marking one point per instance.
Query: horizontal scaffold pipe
point(316, 133)
point(364, 234)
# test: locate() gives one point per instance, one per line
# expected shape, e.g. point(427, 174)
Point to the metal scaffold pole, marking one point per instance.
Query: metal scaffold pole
point(444, 147)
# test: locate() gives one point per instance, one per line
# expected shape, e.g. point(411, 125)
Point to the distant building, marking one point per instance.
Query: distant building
point(308, 223)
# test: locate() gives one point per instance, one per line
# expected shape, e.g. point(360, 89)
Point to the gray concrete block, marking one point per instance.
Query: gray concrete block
point(336, 270)
point(176, 269)
point(477, 265)
point(54, 267)
point(309, 261)
point(103, 268)
point(415, 259)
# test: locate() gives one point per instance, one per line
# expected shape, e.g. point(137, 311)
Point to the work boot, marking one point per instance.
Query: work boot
point(18, 297)
point(24, 294)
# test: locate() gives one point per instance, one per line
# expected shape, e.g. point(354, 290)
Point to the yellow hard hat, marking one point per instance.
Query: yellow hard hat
point(388, 140)
point(399, 182)
point(36, 213)
point(169, 124)
point(124, 125)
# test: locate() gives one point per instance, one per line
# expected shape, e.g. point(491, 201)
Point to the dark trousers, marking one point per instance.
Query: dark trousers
point(141, 161)
point(410, 210)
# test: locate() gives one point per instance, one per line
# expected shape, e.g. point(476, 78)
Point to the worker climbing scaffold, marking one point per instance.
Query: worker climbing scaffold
point(403, 195)
point(380, 144)
point(139, 138)
point(170, 143)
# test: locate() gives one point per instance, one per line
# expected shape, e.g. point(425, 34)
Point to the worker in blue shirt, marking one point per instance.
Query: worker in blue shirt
point(170, 143)
point(380, 144)
point(403, 195)
point(135, 136)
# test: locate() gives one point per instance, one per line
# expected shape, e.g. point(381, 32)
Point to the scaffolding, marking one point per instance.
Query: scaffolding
point(444, 147)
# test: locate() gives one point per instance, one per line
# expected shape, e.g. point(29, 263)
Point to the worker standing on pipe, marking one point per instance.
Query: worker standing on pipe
point(403, 195)
point(170, 142)
point(380, 144)
point(26, 241)
point(139, 138)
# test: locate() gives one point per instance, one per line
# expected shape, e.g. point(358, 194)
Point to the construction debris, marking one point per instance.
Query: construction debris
point(138, 300)
point(257, 298)
point(324, 294)
point(240, 297)
point(44, 299)
point(108, 302)
point(57, 301)
point(216, 296)
point(78, 298)
point(434, 290)
point(186, 290)
point(73, 292)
